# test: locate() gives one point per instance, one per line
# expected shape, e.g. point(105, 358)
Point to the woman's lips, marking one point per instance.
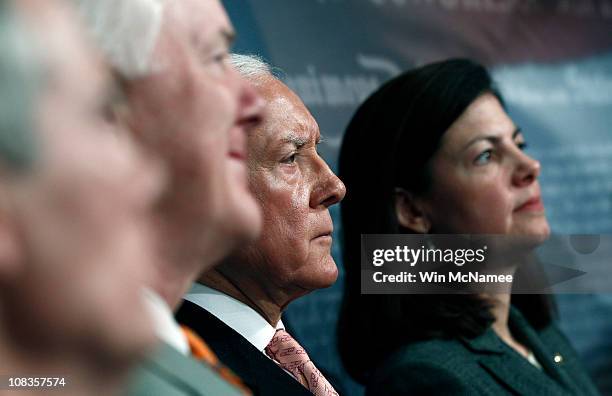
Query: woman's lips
point(533, 205)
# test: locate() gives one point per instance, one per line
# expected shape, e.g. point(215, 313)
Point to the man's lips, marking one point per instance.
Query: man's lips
point(237, 155)
point(533, 205)
point(238, 144)
point(324, 234)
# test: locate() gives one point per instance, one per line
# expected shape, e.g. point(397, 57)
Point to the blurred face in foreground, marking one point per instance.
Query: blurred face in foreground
point(80, 216)
point(194, 110)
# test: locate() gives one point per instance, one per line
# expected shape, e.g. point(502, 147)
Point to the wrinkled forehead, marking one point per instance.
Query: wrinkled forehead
point(70, 62)
point(285, 115)
point(203, 20)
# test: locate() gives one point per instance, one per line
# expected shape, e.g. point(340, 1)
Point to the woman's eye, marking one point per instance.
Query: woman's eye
point(522, 145)
point(483, 158)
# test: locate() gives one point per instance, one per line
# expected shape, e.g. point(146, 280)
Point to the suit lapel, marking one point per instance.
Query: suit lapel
point(526, 334)
point(520, 376)
point(258, 372)
point(190, 375)
point(509, 368)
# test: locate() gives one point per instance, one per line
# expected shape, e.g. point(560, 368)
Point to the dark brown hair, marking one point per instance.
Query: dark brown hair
point(388, 145)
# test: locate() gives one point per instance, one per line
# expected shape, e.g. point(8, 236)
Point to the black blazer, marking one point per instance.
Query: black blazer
point(258, 372)
point(485, 365)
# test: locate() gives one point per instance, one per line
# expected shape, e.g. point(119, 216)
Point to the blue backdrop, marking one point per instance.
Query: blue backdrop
point(552, 60)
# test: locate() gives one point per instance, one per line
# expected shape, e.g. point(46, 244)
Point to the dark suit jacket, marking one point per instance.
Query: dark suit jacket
point(169, 373)
point(258, 372)
point(485, 365)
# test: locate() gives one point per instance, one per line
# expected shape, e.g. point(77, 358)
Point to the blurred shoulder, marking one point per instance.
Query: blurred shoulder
point(169, 373)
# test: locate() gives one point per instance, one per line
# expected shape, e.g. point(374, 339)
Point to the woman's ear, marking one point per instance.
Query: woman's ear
point(410, 212)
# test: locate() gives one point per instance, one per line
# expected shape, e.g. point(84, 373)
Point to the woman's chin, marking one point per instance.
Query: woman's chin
point(534, 234)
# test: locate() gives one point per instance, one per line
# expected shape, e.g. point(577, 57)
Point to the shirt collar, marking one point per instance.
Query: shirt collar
point(166, 327)
point(235, 314)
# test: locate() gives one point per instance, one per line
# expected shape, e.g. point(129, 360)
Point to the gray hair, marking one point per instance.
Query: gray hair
point(20, 79)
point(125, 30)
point(252, 67)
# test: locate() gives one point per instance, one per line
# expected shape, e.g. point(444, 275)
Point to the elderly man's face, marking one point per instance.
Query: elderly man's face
point(195, 110)
point(295, 188)
point(82, 213)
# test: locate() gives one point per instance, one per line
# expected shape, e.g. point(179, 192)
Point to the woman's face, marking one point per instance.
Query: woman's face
point(482, 181)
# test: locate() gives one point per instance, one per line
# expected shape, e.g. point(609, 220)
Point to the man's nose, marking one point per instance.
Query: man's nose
point(251, 104)
point(329, 189)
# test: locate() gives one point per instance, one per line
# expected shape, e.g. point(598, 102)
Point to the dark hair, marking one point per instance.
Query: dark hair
point(388, 144)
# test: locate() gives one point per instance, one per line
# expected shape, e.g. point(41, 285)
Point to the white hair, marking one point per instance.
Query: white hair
point(125, 30)
point(21, 78)
point(251, 67)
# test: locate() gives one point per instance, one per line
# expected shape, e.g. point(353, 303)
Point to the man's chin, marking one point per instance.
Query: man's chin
point(331, 280)
point(249, 220)
point(243, 220)
point(323, 276)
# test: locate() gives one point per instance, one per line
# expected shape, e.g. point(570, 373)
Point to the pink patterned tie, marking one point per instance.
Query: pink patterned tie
point(286, 351)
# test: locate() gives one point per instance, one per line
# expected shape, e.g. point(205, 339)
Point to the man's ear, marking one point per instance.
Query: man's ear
point(122, 116)
point(11, 249)
point(410, 212)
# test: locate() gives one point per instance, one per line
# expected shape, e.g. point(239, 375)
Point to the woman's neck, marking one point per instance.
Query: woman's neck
point(501, 313)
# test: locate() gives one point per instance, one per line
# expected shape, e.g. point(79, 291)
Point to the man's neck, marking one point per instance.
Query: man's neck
point(174, 273)
point(249, 294)
point(171, 283)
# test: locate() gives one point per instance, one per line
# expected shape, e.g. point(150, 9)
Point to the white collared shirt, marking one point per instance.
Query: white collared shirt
point(166, 327)
point(235, 314)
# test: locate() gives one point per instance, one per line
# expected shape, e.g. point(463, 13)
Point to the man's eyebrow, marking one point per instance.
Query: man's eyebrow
point(113, 93)
point(297, 141)
point(491, 138)
point(229, 36)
